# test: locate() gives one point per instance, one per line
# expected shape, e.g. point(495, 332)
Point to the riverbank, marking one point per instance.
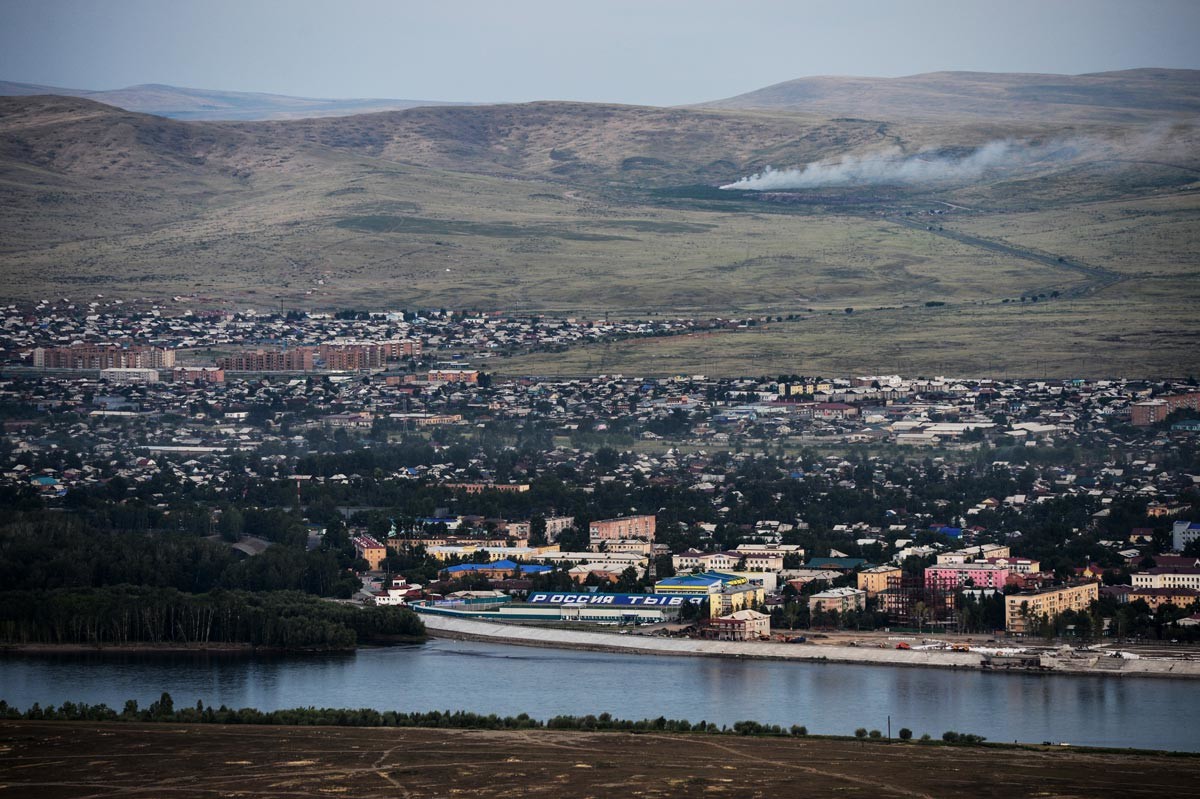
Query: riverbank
point(1087, 664)
point(61, 760)
point(217, 648)
point(224, 649)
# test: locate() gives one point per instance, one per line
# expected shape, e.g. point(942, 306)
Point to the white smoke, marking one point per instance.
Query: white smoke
point(893, 166)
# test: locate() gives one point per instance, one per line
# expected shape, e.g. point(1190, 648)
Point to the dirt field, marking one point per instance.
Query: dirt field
point(57, 759)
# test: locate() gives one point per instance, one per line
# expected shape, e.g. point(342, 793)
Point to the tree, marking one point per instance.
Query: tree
point(231, 524)
point(905, 733)
point(537, 531)
point(921, 613)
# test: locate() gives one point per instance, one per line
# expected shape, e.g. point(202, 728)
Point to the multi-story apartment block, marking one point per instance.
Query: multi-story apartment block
point(626, 527)
point(297, 359)
point(1023, 611)
point(103, 356)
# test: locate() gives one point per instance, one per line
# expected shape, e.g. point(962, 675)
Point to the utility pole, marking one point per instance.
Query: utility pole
point(889, 726)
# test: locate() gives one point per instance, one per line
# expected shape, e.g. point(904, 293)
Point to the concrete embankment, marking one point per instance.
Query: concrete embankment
point(473, 629)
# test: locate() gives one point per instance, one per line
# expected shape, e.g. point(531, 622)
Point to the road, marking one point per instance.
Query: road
point(1098, 277)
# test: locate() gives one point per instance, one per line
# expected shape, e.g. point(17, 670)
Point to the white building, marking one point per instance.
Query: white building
point(1184, 533)
point(837, 599)
point(131, 375)
point(1168, 578)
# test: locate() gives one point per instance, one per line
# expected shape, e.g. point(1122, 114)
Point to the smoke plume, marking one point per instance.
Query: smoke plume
point(894, 167)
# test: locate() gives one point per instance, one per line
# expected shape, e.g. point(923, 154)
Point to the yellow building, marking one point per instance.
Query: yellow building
point(1022, 612)
point(370, 550)
point(726, 593)
point(876, 579)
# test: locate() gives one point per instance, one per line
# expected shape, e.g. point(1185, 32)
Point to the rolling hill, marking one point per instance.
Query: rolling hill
point(589, 209)
point(1129, 96)
point(208, 104)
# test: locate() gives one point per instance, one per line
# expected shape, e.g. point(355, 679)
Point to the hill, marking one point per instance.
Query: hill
point(209, 104)
point(592, 209)
point(1136, 95)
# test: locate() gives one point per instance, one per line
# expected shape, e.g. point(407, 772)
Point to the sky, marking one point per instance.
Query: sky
point(653, 52)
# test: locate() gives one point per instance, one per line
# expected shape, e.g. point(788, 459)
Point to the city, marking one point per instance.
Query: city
point(1046, 512)
point(541, 399)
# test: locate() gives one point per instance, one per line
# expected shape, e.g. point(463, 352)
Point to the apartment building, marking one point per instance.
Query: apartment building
point(1022, 612)
point(103, 356)
point(297, 359)
point(875, 579)
point(626, 527)
point(837, 599)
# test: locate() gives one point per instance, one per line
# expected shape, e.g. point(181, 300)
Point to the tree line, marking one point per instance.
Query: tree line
point(127, 615)
point(42, 550)
point(164, 710)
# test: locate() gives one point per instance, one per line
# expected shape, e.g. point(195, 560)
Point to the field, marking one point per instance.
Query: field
point(1140, 328)
point(60, 759)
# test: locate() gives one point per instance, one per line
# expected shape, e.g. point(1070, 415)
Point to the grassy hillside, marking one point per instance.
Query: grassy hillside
point(1135, 95)
point(593, 209)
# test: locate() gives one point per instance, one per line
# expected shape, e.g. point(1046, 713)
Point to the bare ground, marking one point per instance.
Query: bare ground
point(77, 760)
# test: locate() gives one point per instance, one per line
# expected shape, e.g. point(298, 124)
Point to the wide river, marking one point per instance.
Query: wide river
point(494, 678)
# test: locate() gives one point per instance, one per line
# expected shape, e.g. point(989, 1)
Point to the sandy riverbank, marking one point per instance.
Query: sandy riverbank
point(473, 629)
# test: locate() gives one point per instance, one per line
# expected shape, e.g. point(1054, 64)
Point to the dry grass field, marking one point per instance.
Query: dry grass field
point(113, 761)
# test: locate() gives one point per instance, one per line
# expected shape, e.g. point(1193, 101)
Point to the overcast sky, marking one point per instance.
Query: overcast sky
point(661, 52)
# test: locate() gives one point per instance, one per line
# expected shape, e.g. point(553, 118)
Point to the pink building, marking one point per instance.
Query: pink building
point(949, 576)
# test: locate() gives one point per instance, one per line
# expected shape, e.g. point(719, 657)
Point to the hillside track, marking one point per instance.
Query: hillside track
point(1098, 277)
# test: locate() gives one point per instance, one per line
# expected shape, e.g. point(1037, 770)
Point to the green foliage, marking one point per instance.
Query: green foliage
point(164, 710)
point(127, 615)
point(952, 737)
point(905, 734)
point(48, 551)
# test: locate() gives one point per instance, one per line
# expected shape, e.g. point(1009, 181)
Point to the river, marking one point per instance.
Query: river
point(493, 678)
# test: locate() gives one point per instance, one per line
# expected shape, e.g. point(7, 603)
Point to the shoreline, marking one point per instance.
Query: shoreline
point(439, 626)
point(161, 649)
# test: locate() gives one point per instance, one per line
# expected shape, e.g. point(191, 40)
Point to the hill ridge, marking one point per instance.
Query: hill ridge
point(190, 103)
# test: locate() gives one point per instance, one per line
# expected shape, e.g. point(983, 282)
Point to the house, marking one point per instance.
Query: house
point(741, 625)
point(397, 591)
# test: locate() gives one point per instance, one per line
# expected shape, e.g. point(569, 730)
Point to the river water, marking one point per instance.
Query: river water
point(495, 678)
